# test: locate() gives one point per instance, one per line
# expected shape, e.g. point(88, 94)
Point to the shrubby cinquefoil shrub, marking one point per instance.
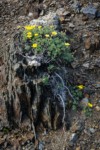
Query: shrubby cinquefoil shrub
point(45, 40)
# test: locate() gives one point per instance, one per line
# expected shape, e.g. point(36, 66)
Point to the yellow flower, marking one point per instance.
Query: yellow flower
point(30, 27)
point(47, 35)
point(36, 34)
point(29, 35)
point(39, 27)
point(54, 33)
point(67, 44)
point(90, 105)
point(80, 87)
point(34, 45)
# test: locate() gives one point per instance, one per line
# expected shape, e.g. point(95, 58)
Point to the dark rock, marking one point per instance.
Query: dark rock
point(98, 14)
point(90, 10)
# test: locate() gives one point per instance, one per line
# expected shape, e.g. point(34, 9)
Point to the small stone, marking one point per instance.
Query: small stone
point(66, 13)
point(87, 43)
point(34, 63)
point(78, 148)
point(16, 67)
point(42, 13)
point(30, 14)
point(67, 20)
point(97, 108)
point(86, 65)
point(71, 25)
point(84, 101)
point(92, 130)
point(5, 32)
point(73, 15)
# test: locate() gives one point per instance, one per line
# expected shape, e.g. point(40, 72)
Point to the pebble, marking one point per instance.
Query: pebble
point(71, 25)
point(4, 32)
point(78, 148)
point(30, 14)
point(86, 65)
point(84, 101)
point(67, 13)
point(87, 43)
point(92, 130)
point(97, 108)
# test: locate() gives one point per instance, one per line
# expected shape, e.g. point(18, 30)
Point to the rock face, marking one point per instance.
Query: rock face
point(29, 100)
point(47, 20)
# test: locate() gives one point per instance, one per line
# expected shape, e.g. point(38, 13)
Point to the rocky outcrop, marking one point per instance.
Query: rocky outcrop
point(34, 97)
point(47, 20)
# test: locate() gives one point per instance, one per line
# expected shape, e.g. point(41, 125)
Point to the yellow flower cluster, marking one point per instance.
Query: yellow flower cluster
point(29, 35)
point(54, 33)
